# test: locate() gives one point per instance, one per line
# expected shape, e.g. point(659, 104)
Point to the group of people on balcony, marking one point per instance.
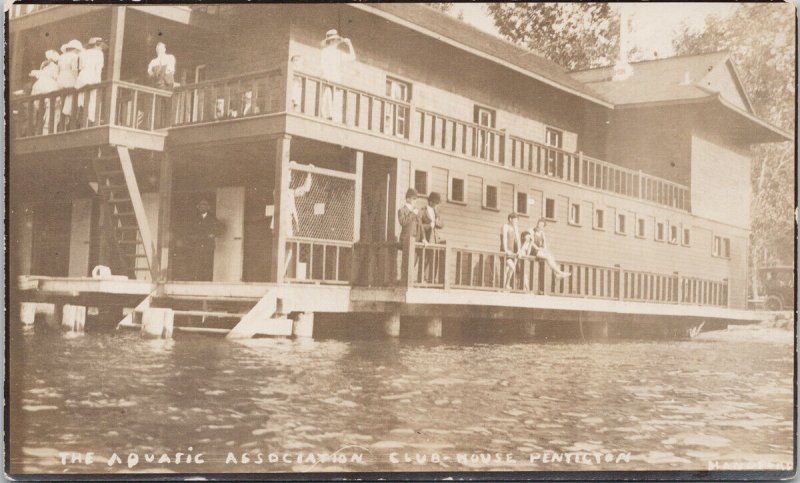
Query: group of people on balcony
point(72, 69)
point(423, 225)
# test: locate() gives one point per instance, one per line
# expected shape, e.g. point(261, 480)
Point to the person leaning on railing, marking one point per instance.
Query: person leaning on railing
point(411, 230)
point(539, 249)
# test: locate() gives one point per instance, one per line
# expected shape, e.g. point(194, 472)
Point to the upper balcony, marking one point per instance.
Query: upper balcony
point(263, 102)
point(95, 115)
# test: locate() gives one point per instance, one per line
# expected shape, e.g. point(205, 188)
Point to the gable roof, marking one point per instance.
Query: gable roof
point(655, 80)
point(449, 29)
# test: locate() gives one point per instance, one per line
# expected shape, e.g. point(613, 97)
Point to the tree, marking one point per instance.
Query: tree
point(443, 6)
point(573, 35)
point(761, 42)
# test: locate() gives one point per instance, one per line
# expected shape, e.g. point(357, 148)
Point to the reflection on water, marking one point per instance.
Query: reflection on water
point(403, 405)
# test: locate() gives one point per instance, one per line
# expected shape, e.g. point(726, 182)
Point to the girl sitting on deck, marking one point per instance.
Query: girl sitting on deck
point(539, 249)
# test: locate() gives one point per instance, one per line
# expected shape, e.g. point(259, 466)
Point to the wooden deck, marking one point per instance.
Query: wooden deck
point(460, 303)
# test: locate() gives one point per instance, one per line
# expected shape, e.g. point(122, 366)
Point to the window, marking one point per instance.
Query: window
point(715, 250)
point(484, 117)
point(490, 197)
point(554, 137)
point(522, 203)
point(550, 208)
point(599, 219)
point(687, 237)
point(457, 191)
point(722, 247)
point(673, 234)
point(621, 228)
point(641, 227)
point(396, 116)
point(421, 182)
point(660, 231)
point(397, 89)
point(726, 247)
point(574, 214)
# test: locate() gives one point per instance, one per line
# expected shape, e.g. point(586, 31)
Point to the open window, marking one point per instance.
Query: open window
point(490, 197)
point(421, 182)
point(599, 219)
point(522, 203)
point(622, 224)
point(550, 209)
point(457, 190)
point(574, 214)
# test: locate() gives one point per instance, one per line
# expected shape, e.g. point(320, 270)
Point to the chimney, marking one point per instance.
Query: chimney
point(623, 69)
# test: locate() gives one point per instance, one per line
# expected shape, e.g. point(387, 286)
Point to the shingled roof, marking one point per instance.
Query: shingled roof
point(659, 80)
point(448, 28)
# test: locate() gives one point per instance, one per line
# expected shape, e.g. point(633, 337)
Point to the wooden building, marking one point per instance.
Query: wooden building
point(644, 181)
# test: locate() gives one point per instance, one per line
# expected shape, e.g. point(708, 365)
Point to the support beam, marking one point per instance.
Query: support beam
point(358, 190)
point(391, 324)
point(303, 325)
point(281, 219)
point(138, 207)
point(114, 61)
point(164, 218)
point(433, 327)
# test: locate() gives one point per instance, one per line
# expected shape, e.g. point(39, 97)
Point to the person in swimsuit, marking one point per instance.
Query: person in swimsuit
point(540, 250)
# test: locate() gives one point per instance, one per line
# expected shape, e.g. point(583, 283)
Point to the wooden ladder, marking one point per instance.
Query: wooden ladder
point(116, 184)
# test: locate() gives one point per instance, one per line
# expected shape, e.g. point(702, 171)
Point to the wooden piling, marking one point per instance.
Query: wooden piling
point(73, 318)
point(157, 323)
point(303, 325)
point(27, 312)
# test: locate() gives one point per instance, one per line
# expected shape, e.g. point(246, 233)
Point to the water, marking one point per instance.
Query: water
point(666, 405)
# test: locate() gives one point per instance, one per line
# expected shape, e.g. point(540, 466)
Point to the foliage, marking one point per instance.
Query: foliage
point(761, 42)
point(443, 6)
point(573, 35)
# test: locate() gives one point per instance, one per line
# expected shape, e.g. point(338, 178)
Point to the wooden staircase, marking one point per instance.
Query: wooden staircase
point(118, 188)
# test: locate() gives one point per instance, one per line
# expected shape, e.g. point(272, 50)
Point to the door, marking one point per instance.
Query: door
point(51, 239)
point(229, 248)
point(80, 238)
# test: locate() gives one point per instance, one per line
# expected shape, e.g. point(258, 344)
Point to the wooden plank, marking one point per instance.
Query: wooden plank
point(256, 318)
point(282, 221)
point(138, 206)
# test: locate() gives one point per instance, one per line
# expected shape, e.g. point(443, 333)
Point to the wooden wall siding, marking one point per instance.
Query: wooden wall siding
point(720, 182)
point(386, 49)
point(475, 227)
point(656, 141)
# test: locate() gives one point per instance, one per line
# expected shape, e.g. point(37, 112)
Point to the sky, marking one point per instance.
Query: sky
point(653, 24)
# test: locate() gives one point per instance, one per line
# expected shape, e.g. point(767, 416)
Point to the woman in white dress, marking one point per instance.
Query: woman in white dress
point(331, 59)
point(90, 62)
point(67, 78)
point(45, 84)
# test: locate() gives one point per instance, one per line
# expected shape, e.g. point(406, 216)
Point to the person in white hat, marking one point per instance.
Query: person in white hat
point(45, 83)
point(90, 63)
point(331, 59)
point(67, 77)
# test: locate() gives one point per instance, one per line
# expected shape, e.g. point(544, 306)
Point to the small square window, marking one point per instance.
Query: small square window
point(687, 236)
point(490, 197)
point(522, 203)
point(599, 219)
point(673, 234)
point(421, 182)
point(641, 227)
point(575, 214)
point(550, 208)
point(621, 224)
point(457, 191)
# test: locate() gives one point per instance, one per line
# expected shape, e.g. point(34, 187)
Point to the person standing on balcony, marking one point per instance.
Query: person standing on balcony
point(161, 70)
point(331, 59)
point(45, 84)
point(90, 64)
point(509, 245)
point(431, 224)
point(539, 249)
point(411, 230)
point(67, 77)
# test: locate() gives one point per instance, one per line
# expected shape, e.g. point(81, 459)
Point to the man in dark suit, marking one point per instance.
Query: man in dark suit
point(202, 229)
point(411, 230)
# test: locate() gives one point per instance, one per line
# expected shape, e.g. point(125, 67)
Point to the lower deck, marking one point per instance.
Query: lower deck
point(411, 302)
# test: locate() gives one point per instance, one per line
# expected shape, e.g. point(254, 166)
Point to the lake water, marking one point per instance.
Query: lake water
point(402, 405)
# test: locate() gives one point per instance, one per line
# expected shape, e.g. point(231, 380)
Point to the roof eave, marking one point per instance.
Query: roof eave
point(484, 55)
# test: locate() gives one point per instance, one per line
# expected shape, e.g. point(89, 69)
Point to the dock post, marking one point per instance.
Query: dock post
point(303, 325)
point(27, 313)
point(433, 327)
point(529, 328)
point(157, 323)
point(73, 318)
point(391, 324)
